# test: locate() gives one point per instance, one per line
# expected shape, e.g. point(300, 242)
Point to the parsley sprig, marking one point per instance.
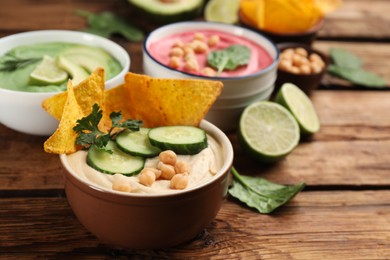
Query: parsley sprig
point(89, 133)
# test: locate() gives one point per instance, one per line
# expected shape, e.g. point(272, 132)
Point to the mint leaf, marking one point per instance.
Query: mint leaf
point(229, 58)
point(263, 195)
point(106, 23)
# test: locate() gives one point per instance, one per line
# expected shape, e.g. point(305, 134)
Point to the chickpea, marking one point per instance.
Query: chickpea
point(121, 185)
point(305, 69)
point(156, 172)
point(188, 50)
point(176, 51)
point(179, 181)
point(168, 157)
point(210, 72)
point(294, 70)
point(147, 178)
point(199, 46)
point(167, 171)
point(191, 65)
point(315, 67)
point(301, 51)
point(178, 43)
point(298, 60)
point(213, 40)
point(189, 56)
point(287, 53)
point(174, 62)
point(182, 167)
point(285, 64)
point(199, 36)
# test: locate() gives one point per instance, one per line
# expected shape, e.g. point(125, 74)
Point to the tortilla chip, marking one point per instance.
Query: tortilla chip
point(159, 102)
point(63, 141)
point(117, 99)
point(87, 93)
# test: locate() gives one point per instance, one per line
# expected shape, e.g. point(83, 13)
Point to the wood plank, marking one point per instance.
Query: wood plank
point(325, 159)
point(315, 225)
point(367, 19)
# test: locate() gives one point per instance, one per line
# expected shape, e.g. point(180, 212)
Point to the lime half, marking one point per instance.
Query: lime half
point(48, 73)
point(268, 131)
point(222, 11)
point(299, 104)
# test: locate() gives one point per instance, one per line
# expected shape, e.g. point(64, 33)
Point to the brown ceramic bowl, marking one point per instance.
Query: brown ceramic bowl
point(136, 221)
point(305, 82)
point(307, 37)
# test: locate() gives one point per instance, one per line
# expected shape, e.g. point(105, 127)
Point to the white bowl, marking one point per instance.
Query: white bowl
point(234, 87)
point(227, 117)
point(245, 100)
point(22, 111)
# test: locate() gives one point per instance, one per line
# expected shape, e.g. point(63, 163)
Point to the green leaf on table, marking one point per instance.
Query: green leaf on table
point(263, 195)
point(358, 76)
point(229, 58)
point(349, 67)
point(345, 59)
point(106, 23)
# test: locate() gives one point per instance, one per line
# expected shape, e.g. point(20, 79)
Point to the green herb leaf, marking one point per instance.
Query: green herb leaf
point(10, 62)
point(106, 23)
point(229, 58)
point(358, 76)
point(90, 135)
point(349, 67)
point(263, 195)
point(88, 131)
point(345, 59)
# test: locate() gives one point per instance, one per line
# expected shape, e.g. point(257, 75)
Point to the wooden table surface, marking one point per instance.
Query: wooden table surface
point(344, 213)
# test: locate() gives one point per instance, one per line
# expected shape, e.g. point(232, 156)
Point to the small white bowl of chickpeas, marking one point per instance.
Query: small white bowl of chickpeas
point(301, 65)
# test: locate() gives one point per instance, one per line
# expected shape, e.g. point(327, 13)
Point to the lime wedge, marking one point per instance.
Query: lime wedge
point(47, 73)
point(268, 131)
point(299, 104)
point(222, 11)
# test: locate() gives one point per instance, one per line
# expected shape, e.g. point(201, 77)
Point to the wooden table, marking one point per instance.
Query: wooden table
point(344, 213)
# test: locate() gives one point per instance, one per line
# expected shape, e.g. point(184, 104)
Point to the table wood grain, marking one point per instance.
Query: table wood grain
point(343, 213)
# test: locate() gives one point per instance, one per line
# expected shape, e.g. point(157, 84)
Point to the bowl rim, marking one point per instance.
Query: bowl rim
point(257, 34)
point(94, 38)
point(225, 169)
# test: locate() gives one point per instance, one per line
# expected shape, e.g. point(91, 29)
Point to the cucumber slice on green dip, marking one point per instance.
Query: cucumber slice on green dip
point(17, 65)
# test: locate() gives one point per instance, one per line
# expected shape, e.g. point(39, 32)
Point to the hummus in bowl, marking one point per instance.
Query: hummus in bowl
point(153, 217)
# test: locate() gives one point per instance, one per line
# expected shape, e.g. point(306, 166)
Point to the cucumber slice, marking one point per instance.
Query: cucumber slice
point(115, 162)
point(180, 139)
point(137, 143)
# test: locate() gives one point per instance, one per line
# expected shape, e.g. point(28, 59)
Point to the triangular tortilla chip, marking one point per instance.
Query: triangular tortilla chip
point(63, 141)
point(158, 101)
point(87, 93)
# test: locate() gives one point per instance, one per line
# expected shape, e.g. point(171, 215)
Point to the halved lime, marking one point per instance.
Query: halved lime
point(222, 11)
point(299, 104)
point(268, 131)
point(48, 73)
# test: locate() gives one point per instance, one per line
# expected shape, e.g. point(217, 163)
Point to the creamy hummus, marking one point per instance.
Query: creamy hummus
point(260, 58)
point(203, 167)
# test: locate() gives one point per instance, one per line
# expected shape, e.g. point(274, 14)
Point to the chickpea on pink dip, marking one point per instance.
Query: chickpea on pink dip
point(175, 52)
